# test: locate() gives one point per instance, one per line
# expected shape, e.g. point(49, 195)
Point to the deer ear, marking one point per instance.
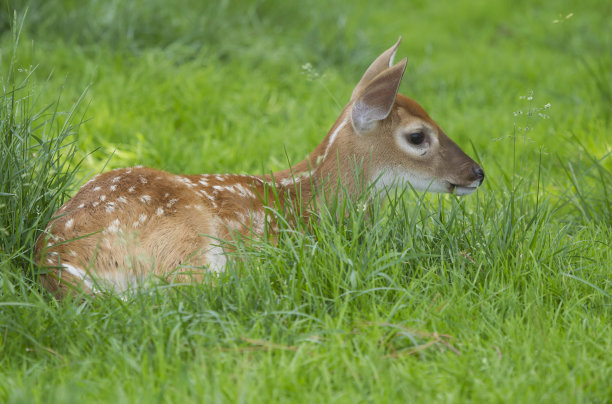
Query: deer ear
point(376, 100)
point(383, 62)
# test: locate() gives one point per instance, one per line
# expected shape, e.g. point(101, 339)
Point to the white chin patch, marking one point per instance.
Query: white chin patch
point(462, 191)
point(397, 178)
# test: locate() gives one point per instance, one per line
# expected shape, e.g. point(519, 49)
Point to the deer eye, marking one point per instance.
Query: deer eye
point(416, 138)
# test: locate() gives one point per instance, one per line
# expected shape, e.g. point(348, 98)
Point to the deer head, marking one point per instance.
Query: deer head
point(395, 138)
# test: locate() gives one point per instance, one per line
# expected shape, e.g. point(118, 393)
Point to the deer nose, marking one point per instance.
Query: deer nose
point(479, 173)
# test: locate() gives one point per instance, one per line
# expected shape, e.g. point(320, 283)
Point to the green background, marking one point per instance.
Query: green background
point(503, 296)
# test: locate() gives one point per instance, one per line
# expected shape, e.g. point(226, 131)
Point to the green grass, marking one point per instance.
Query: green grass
point(503, 296)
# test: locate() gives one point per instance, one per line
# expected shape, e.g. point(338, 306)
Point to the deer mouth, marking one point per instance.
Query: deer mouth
point(461, 190)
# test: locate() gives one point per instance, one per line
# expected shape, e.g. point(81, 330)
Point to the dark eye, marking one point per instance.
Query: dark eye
point(416, 138)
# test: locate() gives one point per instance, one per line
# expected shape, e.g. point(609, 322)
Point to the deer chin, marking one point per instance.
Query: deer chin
point(461, 190)
point(402, 178)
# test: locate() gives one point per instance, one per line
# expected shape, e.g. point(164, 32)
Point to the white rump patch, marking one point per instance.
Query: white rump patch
point(80, 274)
point(216, 259)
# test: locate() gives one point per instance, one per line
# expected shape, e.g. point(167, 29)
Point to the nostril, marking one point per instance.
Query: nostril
point(479, 172)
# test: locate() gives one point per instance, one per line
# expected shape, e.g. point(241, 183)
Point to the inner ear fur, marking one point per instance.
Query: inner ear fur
point(376, 100)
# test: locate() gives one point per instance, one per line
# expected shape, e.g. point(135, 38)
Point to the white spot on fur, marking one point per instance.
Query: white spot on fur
point(244, 191)
point(294, 179)
point(110, 207)
point(145, 199)
point(116, 179)
point(171, 202)
point(204, 193)
point(142, 179)
point(114, 226)
point(122, 199)
point(103, 198)
point(97, 188)
point(159, 212)
point(72, 253)
point(131, 189)
point(203, 182)
point(95, 203)
point(223, 188)
point(142, 217)
point(186, 181)
point(81, 206)
point(69, 224)
point(113, 187)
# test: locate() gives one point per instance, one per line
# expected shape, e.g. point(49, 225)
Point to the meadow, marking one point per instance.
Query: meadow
point(502, 296)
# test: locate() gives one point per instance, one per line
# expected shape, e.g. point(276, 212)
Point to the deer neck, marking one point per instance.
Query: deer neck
point(324, 170)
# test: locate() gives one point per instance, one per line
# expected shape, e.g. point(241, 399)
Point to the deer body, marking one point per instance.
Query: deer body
point(128, 224)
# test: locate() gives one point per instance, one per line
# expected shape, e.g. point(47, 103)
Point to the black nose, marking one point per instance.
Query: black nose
point(479, 173)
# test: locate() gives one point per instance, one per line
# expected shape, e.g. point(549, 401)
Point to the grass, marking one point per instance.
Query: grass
point(503, 296)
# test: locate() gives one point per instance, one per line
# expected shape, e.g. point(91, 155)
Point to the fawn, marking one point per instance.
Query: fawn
point(128, 224)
